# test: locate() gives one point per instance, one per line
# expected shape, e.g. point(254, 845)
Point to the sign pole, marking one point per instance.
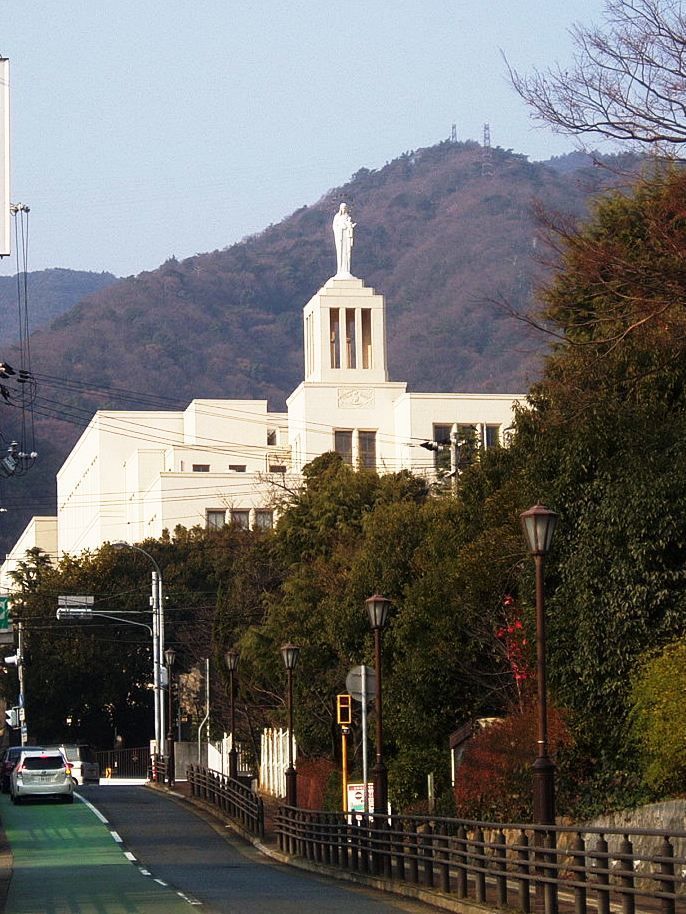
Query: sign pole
point(365, 771)
point(344, 766)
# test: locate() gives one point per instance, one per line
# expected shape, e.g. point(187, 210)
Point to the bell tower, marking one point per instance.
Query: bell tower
point(345, 334)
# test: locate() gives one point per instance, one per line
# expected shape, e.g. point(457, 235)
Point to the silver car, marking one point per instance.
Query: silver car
point(42, 774)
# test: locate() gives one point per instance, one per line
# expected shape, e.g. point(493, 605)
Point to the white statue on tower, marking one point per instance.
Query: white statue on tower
point(343, 227)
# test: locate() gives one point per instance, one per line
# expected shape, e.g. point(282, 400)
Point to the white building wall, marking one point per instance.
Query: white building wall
point(134, 474)
point(41, 533)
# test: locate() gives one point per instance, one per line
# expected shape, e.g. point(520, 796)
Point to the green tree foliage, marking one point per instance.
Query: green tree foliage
point(658, 717)
point(603, 446)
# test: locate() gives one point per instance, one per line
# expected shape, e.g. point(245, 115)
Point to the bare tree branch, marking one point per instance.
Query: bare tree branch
point(627, 81)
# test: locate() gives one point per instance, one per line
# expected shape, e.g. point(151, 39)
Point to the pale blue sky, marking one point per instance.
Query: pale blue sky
point(146, 128)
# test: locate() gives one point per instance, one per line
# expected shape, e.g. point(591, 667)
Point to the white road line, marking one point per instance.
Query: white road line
point(96, 812)
point(189, 899)
point(130, 856)
point(116, 837)
point(162, 882)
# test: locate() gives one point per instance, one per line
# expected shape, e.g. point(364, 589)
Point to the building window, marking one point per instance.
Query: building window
point(366, 442)
point(215, 518)
point(201, 468)
point(492, 436)
point(343, 445)
point(277, 467)
point(264, 520)
point(241, 519)
point(271, 436)
point(237, 467)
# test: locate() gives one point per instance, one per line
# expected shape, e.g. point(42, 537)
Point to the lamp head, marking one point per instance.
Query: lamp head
point(377, 610)
point(290, 654)
point(231, 660)
point(539, 525)
point(170, 657)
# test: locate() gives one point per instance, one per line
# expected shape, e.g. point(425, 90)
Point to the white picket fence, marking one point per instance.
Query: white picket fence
point(274, 761)
point(218, 757)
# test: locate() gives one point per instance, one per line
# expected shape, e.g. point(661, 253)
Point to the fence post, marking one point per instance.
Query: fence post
point(579, 870)
point(479, 874)
point(413, 851)
point(550, 871)
point(602, 875)
point(626, 877)
point(524, 868)
point(443, 857)
point(500, 854)
point(427, 854)
point(667, 905)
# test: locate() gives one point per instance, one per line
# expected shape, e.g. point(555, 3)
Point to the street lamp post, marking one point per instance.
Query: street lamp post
point(157, 641)
point(377, 609)
point(170, 657)
point(231, 659)
point(290, 654)
point(539, 525)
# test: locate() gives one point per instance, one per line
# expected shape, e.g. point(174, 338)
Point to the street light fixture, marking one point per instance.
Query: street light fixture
point(290, 654)
point(377, 610)
point(231, 660)
point(170, 657)
point(539, 525)
point(157, 640)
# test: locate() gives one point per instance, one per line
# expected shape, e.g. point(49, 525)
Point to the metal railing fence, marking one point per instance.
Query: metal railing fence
point(560, 868)
point(124, 763)
point(233, 798)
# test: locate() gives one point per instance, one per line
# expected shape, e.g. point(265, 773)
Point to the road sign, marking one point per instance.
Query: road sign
point(5, 613)
point(356, 797)
point(74, 601)
point(354, 681)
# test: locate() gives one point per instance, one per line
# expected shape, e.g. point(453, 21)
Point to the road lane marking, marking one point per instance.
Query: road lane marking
point(92, 808)
point(116, 837)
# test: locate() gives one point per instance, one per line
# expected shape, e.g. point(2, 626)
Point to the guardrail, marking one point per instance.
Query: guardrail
point(569, 868)
point(233, 798)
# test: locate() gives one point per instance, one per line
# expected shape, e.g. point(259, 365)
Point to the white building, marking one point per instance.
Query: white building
point(134, 474)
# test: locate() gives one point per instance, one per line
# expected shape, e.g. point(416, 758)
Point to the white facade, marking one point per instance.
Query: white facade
point(133, 474)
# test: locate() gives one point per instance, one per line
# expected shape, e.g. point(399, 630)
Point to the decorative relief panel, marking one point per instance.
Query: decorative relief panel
point(355, 397)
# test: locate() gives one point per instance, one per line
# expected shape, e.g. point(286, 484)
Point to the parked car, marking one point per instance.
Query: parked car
point(84, 768)
point(43, 773)
point(8, 759)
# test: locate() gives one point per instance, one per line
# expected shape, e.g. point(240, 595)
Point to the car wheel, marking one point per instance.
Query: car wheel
point(16, 800)
point(68, 798)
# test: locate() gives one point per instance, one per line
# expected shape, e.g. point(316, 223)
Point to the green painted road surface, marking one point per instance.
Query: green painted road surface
point(66, 861)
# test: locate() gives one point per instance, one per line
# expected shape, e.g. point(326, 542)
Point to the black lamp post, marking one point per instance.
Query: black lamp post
point(290, 654)
point(170, 657)
point(377, 609)
point(231, 659)
point(539, 525)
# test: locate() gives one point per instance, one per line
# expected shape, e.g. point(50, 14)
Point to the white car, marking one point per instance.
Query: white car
point(43, 773)
point(81, 760)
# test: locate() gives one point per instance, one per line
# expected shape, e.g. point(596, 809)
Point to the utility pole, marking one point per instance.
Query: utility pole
point(20, 673)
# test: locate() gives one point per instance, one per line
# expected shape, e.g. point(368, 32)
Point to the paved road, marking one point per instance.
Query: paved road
point(223, 873)
point(66, 862)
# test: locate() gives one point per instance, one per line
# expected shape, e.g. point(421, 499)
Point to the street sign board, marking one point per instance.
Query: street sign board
point(74, 601)
point(5, 613)
point(356, 797)
point(354, 680)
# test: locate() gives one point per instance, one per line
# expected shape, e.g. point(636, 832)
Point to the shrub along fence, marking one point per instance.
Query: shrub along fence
point(567, 868)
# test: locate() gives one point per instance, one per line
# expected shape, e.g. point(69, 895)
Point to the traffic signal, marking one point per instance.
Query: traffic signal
point(344, 710)
point(12, 717)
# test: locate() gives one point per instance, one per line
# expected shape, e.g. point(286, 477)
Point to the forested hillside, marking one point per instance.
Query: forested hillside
point(50, 294)
point(445, 243)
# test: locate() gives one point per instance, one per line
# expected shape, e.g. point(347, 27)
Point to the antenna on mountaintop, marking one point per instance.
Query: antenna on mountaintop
point(453, 134)
point(486, 157)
